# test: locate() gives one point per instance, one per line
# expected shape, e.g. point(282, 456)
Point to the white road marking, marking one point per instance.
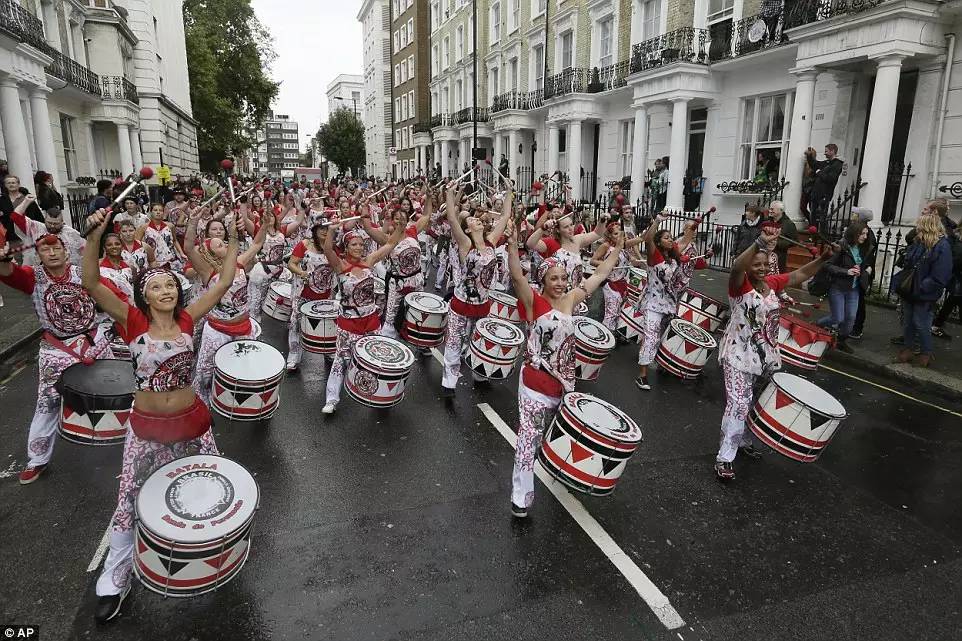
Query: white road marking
point(101, 549)
point(889, 389)
point(647, 590)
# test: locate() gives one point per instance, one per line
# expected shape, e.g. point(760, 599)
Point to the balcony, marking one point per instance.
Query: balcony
point(807, 11)
point(71, 71)
point(442, 120)
point(610, 77)
point(748, 35)
point(522, 100)
point(21, 24)
point(467, 115)
point(682, 45)
point(119, 88)
point(424, 127)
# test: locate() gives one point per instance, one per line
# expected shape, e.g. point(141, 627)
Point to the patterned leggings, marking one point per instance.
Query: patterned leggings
point(141, 459)
point(397, 290)
point(345, 347)
point(459, 330)
point(534, 410)
point(211, 341)
point(739, 392)
point(613, 304)
point(655, 323)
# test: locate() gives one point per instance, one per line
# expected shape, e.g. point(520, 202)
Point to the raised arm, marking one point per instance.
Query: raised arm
point(384, 250)
point(207, 300)
point(535, 242)
point(585, 240)
point(427, 213)
point(90, 270)
point(499, 225)
point(599, 255)
point(250, 254)
point(522, 288)
point(332, 257)
point(743, 261)
point(200, 265)
point(374, 232)
point(596, 280)
point(451, 211)
point(650, 233)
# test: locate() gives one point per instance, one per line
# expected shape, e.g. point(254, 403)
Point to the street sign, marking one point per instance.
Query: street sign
point(163, 174)
point(392, 151)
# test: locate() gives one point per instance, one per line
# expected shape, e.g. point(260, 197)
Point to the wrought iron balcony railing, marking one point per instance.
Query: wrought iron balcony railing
point(21, 24)
point(119, 88)
point(807, 11)
point(569, 81)
point(522, 100)
point(467, 115)
point(747, 35)
point(71, 71)
point(610, 77)
point(682, 45)
point(423, 127)
point(442, 120)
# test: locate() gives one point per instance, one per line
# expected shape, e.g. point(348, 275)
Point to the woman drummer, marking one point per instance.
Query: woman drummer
point(359, 314)
point(562, 243)
point(168, 420)
point(313, 280)
point(549, 368)
point(617, 282)
point(159, 234)
point(269, 265)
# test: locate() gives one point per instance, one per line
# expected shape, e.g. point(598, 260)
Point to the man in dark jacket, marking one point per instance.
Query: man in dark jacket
point(953, 298)
point(823, 184)
point(748, 231)
point(103, 197)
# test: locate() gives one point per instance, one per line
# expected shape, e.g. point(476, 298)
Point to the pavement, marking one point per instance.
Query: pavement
point(394, 524)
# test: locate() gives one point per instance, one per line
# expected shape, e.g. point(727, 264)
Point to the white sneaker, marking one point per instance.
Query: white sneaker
point(329, 408)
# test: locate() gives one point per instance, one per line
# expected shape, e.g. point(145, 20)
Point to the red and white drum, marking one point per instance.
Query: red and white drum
point(277, 302)
point(795, 418)
point(318, 326)
point(255, 329)
point(96, 402)
point(588, 444)
point(380, 295)
point(425, 320)
point(802, 344)
point(495, 345)
point(637, 282)
point(505, 307)
point(631, 323)
point(684, 349)
point(378, 371)
point(703, 311)
point(195, 517)
point(593, 343)
point(247, 380)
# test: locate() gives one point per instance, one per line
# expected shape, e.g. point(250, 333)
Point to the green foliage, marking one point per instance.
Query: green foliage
point(228, 57)
point(342, 140)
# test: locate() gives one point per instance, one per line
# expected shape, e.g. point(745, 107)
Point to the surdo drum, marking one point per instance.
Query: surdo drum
point(795, 418)
point(318, 326)
point(685, 349)
point(195, 517)
point(701, 310)
point(494, 348)
point(637, 282)
point(247, 379)
point(593, 343)
point(505, 307)
point(802, 344)
point(425, 319)
point(631, 323)
point(277, 303)
point(378, 371)
point(96, 402)
point(588, 444)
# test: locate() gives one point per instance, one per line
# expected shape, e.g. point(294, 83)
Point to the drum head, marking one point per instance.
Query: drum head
point(104, 378)
point(501, 297)
point(601, 417)
point(249, 360)
point(425, 302)
point(197, 498)
point(809, 394)
point(321, 308)
point(383, 353)
point(281, 289)
point(693, 334)
point(499, 331)
point(593, 333)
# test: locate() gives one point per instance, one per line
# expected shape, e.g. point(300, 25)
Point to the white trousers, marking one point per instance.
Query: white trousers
point(534, 411)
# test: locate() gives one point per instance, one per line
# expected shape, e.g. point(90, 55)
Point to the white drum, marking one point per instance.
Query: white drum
point(256, 329)
point(425, 319)
point(195, 517)
point(593, 343)
point(319, 326)
point(495, 345)
point(637, 282)
point(247, 379)
point(277, 302)
point(701, 310)
point(685, 349)
point(505, 307)
point(378, 371)
point(631, 323)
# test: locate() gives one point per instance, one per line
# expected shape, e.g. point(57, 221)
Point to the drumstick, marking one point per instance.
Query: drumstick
point(812, 250)
point(210, 200)
point(145, 173)
point(507, 181)
point(464, 175)
point(242, 194)
point(343, 220)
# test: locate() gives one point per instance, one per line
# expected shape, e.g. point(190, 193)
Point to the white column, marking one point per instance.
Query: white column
point(91, 151)
point(878, 140)
point(554, 145)
point(437, 154)
point(636, 21)
point(514, 158)
point(14, 131)
point(639, 151)
point(800, 138)
point(42, 133)
point(498, 148)
point(678, 158)
point(137, 156)
point(123, 144)
point(51, 26)
point(574, 158)
point(445, 161)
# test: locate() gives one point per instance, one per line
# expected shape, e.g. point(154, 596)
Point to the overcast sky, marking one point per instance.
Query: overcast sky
point(315, 40)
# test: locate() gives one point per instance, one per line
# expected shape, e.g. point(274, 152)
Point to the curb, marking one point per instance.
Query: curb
point(898, 373)
point(19, 344)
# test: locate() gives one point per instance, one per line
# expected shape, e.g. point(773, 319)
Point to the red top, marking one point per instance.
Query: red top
point(777, 282)
point(551, 246)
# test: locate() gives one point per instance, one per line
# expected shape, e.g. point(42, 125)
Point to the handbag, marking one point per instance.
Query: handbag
point(907, 285)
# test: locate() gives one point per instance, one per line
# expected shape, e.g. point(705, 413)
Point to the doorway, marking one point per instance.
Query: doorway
point(694, 179)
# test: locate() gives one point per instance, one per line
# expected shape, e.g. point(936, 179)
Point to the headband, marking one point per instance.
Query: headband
point(547, 264)
point(149, 275)
point(50, 239)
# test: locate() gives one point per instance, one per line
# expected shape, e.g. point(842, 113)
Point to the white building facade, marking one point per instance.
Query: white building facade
point(278, 149)
point(346, 91)
point(375, 22)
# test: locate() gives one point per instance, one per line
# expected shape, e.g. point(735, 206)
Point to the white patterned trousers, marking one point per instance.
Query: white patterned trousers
point(534, 411)
point(739, 393)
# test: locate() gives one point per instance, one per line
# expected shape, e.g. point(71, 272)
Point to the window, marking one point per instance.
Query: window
point(445, 100)
point(435, 14)
point(513, 73)
point(627, 140)
point(537, 59)
point(397, 75)
point(397, 41)
point(435, 107)
point(434, 61)
point(397, 109)
point(411, 102)
point(459, 42)
point(605, 57)
point(69, 147)
point(719, 10)
point(494, 86)
point(514, 15)
point(651, 19)
point(410, 30)
point(356, 96)
point(459, 94)
point(447, 52)
point(404, 73)
point(495, 22)
point(405, 38)
point(538, 7)
point(567, 50)
point(397, 138)
point(764, 137)
point(470, 34)
point(396, 6)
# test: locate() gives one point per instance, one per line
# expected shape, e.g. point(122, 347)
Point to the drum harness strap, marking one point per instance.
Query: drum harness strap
point(82, 354)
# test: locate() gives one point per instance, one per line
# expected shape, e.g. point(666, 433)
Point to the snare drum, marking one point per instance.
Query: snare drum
point(495, 345)
point(256, 329)
point(378, 371)
point(96, 402)
point(795, 418)
point(631, 323)
point(593, 343)
point(703, 311)
point(505, 307)
point(685, 349)
point(195, 516)
point(802, 344)
point(247, 380)
point(425, 320)
point(277, 303)
point(588, 444)
point(318, 326)
point(637, 282)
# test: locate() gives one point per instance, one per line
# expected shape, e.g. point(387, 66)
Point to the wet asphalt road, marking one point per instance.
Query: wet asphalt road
point(395, 525)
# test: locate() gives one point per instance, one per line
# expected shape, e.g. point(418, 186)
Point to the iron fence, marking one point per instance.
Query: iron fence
point(808, 11)
point(22, 25)
point(467, 115)
point(523, 100)
point(682, 45)
point(71, 71)
point(896, 186)
point(119, 88)
point(839, 215)
point(748, 35)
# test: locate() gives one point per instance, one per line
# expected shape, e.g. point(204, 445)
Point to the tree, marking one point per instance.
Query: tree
point(342, 140)
point(229, 53)
point(306, 159)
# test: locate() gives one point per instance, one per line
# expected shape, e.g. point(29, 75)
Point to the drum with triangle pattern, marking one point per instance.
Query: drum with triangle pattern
point(247, 379)
point(96, 402)
point(685, 349)
point(701, 310)
point(378, 371)
point(494, 348)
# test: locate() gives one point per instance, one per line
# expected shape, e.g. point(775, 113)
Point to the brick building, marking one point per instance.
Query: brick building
point(410, 65)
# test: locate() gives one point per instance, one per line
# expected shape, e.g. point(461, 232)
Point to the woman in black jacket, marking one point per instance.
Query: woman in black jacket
point(748, 231)
point(846, 286)
point(47, 196)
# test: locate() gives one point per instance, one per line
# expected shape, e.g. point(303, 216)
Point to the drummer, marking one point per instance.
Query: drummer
point(562, 243)
point(313, 280)
point(159, 234)
point(136, 254)
point(168, 420)
point(616, 284)
point(269, 265)
point(359, 314)
point(549, 368)
point(113, 265)
point(749, 347)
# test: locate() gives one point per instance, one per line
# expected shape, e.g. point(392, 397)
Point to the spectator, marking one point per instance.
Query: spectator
point(864, 216)
point(658, 184)
point(47, 197)
point(776, 212)
point(4, 169)
point(103, 197)
point(503, 167)
point(12, 193)
point(954, 299)
point(748, 231)
point(823, 183)
point(845, 268)
point(927, 269)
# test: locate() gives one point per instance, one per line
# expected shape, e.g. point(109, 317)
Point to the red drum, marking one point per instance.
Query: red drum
point(637, 282)
point(593, 343)
point(425, 320)
point(378, 371)
point(195, 517)
point(495, 345)
point(802, 344)
point(318, 326)
point(588, 444)
point(277, 303)
point(247, 380)
point(631, 323)
point(701, 310)
point(96, 402)
point(795, 418)
point(505, 307)
point(685, 349)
